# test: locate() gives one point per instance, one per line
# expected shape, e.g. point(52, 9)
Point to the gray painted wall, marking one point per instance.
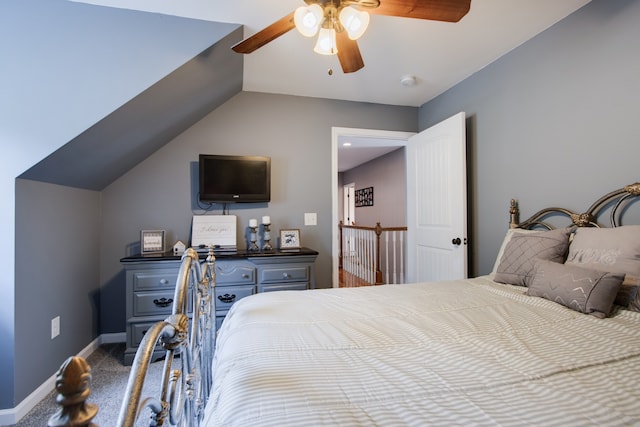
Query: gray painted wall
point(67, 65)
point(555, 122)
point(57, 272)
point(387, 176)
point(294, 131)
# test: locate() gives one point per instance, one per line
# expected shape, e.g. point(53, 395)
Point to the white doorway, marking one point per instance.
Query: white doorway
point(436, 155)
point(394, 139)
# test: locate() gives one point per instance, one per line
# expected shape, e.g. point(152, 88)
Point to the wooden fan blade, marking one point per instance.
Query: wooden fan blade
point(435, 10)
point(348, 53)
point(266, 35)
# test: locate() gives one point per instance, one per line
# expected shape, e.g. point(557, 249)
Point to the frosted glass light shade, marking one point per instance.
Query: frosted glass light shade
point(354, 21)
point(308, 19)
point(326, 44)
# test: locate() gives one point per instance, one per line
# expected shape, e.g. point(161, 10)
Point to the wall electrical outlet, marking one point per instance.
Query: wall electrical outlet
point(55, 327)
point(310, 219)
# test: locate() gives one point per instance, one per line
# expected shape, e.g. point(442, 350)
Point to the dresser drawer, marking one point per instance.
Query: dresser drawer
point(227, 295)
point(152, 303)
point(138, 330)
point(284, 273)
point(235, 272)
point(155, 279)
point(299, 286)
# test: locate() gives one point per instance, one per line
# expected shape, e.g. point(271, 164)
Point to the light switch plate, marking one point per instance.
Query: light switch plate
point(310, 219)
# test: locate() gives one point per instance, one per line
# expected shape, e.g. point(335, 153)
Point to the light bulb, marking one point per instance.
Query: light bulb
point(354, 21)
point(308, 19)
point(326, 44)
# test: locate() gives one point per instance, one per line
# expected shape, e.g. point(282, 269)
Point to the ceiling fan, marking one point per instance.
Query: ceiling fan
point(339, 23)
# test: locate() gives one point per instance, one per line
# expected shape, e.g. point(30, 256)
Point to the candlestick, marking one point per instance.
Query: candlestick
point(267, 235)
point(253, 236)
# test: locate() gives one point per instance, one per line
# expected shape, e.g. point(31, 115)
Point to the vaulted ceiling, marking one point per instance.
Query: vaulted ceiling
point(438, 54)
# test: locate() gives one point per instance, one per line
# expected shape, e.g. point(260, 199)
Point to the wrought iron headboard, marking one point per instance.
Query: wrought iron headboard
point(616, 201)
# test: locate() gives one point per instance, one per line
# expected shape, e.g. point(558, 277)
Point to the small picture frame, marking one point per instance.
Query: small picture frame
point(151, 241)
point(290, 238)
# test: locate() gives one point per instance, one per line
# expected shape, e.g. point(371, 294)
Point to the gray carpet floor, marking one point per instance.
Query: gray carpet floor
point(109, 381)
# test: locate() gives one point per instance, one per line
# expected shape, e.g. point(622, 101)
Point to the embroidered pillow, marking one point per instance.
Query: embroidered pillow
point(523, 250)
point(615, 250)
point(581, 289)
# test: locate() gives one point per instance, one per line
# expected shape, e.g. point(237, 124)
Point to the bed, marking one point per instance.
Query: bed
point(550, 337)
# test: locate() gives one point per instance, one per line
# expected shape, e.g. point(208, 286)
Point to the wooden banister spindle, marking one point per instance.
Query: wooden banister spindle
point(378, 271)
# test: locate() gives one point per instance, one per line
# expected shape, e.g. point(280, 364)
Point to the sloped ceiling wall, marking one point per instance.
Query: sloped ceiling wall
point(123, 83)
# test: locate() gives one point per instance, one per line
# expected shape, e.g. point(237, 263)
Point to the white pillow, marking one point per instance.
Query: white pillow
point(508, 237)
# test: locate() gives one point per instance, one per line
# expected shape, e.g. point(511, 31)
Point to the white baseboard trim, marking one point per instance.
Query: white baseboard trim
point(13, 415)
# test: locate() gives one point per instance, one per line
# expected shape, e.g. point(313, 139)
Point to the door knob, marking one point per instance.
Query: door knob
point(456, 241)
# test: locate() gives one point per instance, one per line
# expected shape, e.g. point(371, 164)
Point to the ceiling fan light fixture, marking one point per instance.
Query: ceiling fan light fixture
point(308, 19)
point(326, 44)
point(355, 22)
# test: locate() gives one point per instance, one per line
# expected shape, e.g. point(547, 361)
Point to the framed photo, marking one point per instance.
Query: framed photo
point(290, 239)
point(364, 197)
point(151, 241)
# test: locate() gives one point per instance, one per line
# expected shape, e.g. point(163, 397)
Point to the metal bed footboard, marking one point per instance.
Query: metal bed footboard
point(186, 380)
point(184, 389)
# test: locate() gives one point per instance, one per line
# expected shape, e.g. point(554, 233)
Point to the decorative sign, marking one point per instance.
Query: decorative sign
point(364, 197)
point(151, 241)
point(218, 231)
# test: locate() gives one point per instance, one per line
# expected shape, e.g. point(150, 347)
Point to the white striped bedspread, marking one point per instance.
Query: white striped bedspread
point(469, 352)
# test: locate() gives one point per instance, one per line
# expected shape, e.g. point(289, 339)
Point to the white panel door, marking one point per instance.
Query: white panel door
point(437, 202)
point(349, 204)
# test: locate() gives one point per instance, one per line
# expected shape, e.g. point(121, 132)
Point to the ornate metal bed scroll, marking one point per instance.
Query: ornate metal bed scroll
point(184, 390)
point(616, 201)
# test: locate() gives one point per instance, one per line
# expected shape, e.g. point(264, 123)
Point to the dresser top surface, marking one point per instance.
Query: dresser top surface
point(240, 254)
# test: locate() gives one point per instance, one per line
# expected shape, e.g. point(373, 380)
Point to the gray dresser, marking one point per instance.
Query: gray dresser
point(151, 279)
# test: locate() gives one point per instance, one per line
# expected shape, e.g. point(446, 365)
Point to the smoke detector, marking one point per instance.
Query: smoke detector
point(408, 80)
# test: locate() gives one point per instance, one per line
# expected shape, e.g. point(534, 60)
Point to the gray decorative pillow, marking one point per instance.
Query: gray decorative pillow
point(581, 289)
point(628, 295)
point(615, 250)
point(507, 238)
point(523, 250)
point(611, 249)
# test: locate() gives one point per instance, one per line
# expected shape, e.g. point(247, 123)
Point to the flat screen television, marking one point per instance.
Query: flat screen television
point(234, 179)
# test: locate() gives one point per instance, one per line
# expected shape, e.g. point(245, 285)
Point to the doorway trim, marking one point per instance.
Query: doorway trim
point(336, 134)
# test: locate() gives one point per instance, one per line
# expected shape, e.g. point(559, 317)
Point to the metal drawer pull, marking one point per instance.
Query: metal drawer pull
point(245, 276)
point(164, 282)
point(227, 298)
point(163, 302)
point(286, 275)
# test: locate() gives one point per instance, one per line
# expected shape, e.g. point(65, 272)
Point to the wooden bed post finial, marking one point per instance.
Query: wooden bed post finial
point(73, 383)
point(514, 214)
